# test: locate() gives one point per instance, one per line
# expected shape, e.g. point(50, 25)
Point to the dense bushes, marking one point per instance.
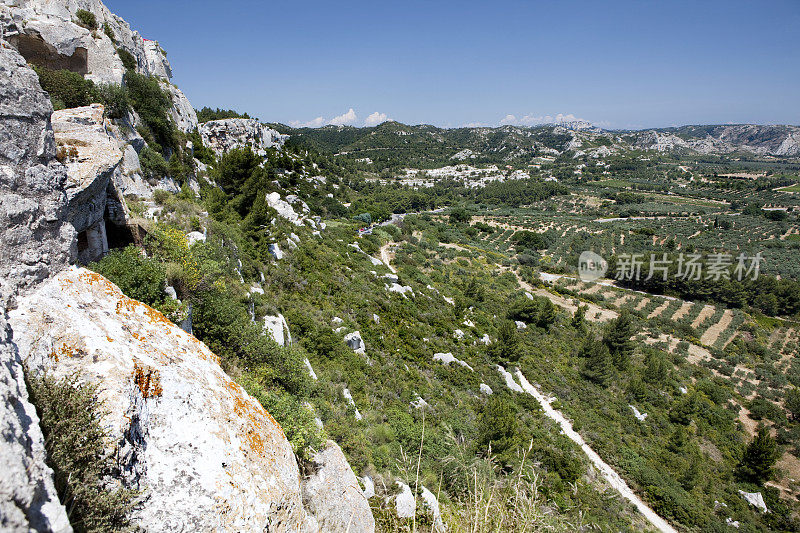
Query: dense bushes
point(69, 415)
point(67, 89)
point(153, 104)
point(137, 276)
point(206, 114)
point(87, 19)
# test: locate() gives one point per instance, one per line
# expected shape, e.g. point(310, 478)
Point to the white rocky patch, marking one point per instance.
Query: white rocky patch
point(447, 358)
point(275, 250)
point(419, 403)
point(355, 342)
point(755, 499)
point(641, 417)
point(432, 503)
point(278, 329)
point(521, 325)
point(458, 334)
point(486, 389)
point(351, 402)
point(369, 487)
point(405, 503)
point(310, 369)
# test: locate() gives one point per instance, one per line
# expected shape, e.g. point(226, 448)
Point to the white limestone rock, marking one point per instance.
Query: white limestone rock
point(355, 342)
point(333, 495)
point(405, 503)
point(28, 498)
point(447, 358)
point(207, 455)
point(278, 329)
point(35, 240)
point(225, 135)
point(286, 209)
point(486, 389)
point(182, 112)
point(755, 499)
point(349, 397)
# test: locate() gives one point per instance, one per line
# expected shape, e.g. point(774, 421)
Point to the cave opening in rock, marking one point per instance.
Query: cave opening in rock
point(37, 52)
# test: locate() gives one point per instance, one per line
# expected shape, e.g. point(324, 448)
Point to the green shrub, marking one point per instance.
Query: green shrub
point(109, 31)
point(297, 421)
point(128, 61)
point(137, 276)
point(86, 19)
point(70, 419)
point(67, 89)
point(153, 105)
point(115, 99)
point(153, 164)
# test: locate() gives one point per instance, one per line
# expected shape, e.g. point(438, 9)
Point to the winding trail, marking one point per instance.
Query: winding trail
point(608, 473)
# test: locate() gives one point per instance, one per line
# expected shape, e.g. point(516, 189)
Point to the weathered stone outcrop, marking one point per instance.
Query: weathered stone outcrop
point(208, 455)
point(724, 139)
point(333, 495)
point(48, 33)
point(225, 135)
point(92, 157)
point(35, 242)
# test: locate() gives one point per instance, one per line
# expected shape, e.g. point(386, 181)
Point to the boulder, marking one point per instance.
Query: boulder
point(225, 135)
point(28, 498)
point(333, 495)
point(286, 208)
point(205, 453)
point(278, 329)
point(354, 341)
point(405, 503)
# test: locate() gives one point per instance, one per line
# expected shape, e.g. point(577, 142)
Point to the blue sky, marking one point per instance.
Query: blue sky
point(620, 64)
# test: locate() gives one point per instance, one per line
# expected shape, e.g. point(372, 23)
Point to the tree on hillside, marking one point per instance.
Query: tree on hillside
point(579, 318)
point(618, 340)
point(507, 346)
point(793, 403)
point(597, 367)
point(547, 314)
point(760, 457)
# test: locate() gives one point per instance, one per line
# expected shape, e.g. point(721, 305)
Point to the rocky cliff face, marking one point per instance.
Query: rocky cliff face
point(35, 243)
point(48, 33)
point(225, 135)
point(759, 140)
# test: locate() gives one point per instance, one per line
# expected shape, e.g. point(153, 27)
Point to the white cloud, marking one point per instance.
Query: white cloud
point(315, 123)
point(348, 118)
point(375, 118)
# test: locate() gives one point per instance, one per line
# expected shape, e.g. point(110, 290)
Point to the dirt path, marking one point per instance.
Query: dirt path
point(610, 475)
point(594, 312)
point(387, 256)
point(711, 335)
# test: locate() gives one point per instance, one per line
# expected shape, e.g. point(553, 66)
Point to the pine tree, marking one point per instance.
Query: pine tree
point(760, 456)
point(618, 340)
point(598, 366)
point(547, 314)
point(793, 403)
point(579, 318)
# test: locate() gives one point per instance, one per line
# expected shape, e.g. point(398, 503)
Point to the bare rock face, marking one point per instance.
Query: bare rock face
point(93, 160)
point(34, 243)
point(333, 495)
point(48, 33)
point(207, 454)
point(225, 135)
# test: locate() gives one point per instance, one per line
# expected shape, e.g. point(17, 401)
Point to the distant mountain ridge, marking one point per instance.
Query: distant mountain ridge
point(426, 145)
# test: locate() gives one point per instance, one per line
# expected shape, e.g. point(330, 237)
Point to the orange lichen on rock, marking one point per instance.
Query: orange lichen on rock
point(148, 380)
point(256, 417)
point(65, 350)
